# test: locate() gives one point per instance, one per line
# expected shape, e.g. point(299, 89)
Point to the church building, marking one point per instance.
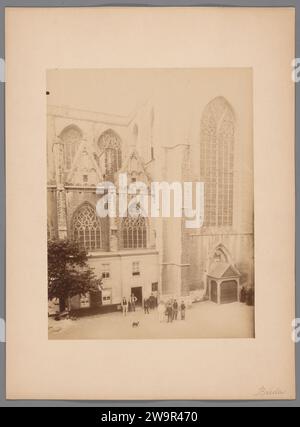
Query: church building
point(189, 133)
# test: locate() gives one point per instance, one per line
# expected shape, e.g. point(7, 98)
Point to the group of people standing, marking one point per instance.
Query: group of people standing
point(171, 310)
point(149, 304)
point(128, 305)
point(168, 310)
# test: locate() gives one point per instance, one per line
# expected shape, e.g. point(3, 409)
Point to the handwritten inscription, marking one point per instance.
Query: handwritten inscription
point(269, 392)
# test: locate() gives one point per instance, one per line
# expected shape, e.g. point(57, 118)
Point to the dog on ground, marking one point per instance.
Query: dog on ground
point(135, 324)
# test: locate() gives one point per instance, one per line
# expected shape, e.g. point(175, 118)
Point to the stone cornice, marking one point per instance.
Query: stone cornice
point(122, 253)
point(73, 187)
point(91, 116)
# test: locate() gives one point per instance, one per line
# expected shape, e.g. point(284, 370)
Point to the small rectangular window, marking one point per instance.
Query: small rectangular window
point(136, 268)
point(105, 271)
point(106, 297)
point(154, 287)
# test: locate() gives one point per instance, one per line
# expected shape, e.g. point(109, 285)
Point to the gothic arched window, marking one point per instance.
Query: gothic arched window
point(86, 228)
point(110, 152)
point(71, 137)
point(216, 162)
point(134, 232)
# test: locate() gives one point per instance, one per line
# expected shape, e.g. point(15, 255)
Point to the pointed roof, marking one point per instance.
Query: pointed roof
point(77, 164)
point(220, 270)
point(134, 164)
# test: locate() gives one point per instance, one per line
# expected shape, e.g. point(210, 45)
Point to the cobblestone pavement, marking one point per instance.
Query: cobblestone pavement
point(203, 320)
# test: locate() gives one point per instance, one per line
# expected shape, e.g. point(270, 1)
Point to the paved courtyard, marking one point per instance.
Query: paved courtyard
point(203, 320)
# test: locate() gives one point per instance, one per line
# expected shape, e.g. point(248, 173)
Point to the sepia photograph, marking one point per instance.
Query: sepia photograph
point(150, 203)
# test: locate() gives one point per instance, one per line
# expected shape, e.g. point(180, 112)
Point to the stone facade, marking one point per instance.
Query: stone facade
point(208, 139)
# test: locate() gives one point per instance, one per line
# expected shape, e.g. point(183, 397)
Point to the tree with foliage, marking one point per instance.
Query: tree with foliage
point(68, 271)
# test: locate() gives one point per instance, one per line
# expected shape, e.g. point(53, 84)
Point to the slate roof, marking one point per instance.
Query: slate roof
point(221, 270)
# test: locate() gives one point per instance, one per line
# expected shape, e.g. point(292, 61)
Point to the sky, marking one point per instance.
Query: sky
point(118, 92)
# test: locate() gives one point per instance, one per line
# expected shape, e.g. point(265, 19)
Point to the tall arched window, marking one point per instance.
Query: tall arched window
point(71, 137)
point(86, 228)
point(110, 152)
point(134, 232)
point(216, 162)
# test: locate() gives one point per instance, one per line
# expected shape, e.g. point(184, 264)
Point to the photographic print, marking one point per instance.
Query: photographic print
point(150, 203)
point(157, 225)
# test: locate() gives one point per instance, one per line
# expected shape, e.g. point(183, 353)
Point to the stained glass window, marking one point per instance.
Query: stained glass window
point(216, 162)
point(134, 232)
point(110, 152)
point(86, 228)
point(71, 138)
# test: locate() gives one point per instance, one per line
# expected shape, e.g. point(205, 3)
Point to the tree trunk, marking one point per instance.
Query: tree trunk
point(62, 304)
